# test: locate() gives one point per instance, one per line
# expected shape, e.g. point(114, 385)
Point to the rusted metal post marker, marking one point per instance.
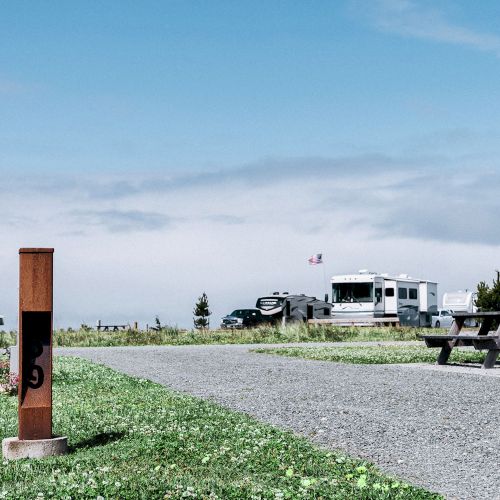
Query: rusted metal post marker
point(35, 438)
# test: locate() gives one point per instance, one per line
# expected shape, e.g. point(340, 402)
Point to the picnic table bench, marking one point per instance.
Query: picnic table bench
point(481, 340)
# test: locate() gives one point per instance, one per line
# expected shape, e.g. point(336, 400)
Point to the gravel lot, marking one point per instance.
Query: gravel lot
point(435, 428)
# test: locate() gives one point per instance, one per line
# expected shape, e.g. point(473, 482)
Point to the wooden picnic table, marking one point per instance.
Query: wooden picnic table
point(480, 340)
point(110, 328)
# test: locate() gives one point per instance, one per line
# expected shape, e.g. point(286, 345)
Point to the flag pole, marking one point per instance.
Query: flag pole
point(324, 280)
point(316, 259)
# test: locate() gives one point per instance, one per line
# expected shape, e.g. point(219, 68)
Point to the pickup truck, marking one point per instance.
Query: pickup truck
point(243, 318)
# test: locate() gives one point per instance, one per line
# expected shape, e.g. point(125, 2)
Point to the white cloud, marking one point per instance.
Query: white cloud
point(157, 244)
point(413, 19)
point(117, 221)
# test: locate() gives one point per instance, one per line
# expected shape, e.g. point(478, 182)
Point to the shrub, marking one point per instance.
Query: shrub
point(488, 299)
point(9, 382)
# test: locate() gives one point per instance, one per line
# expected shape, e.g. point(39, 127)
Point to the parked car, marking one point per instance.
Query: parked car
point(243, 318)
point(442, 319)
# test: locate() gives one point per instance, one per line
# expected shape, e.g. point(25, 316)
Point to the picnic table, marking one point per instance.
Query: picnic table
point(110, 328)
point(483, 339)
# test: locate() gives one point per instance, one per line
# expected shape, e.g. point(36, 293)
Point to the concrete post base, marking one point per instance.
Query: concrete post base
point(13, 448)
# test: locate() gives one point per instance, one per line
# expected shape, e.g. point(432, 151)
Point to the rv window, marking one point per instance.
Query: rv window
point(389, 292)
point(403, 293)
point(326, 311)
point(268, 303)
point(352, 292)
point(378, 294)
point(413, 293)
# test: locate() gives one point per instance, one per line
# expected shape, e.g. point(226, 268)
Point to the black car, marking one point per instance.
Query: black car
point(243, 318)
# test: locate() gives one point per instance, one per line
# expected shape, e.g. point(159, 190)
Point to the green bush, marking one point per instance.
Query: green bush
point(488, 299)
point(7, 338)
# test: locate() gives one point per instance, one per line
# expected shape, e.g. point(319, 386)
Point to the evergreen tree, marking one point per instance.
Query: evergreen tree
point(201, 313)
point(488, 299)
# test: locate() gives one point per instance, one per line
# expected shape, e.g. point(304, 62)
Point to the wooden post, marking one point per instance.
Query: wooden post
point(35, 438)
point(35, 343)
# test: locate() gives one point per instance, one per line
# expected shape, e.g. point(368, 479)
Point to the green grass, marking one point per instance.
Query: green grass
point(131, 438)
point(261, 335)
point(375, 354)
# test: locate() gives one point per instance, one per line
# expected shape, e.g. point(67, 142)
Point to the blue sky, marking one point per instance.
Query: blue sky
point(216, 145)
point(179, 84)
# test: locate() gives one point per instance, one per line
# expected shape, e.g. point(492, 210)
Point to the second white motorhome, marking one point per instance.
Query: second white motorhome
point(368, 294)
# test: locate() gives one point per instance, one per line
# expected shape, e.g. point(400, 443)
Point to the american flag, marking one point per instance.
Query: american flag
point(317, 258)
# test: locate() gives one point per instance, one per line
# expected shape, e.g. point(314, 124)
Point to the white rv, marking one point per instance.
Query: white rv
point(461, 302)
point(368, 294)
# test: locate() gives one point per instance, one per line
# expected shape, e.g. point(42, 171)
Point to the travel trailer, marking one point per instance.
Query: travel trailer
point(461, 302)
point(290, 307)
point(373, 295)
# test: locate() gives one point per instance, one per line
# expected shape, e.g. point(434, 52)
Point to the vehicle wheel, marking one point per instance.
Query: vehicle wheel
point(438, 324)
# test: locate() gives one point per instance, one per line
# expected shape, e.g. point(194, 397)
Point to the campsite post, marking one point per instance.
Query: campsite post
point(35, 438)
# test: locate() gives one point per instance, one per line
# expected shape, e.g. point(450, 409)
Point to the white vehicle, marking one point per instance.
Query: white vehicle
point(461, 302)
point(373, 295)
point(442, 319)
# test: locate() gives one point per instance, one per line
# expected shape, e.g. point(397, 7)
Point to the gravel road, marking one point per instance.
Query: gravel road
point(434, 428)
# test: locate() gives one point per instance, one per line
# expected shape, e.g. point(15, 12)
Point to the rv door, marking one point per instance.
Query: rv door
point(378, 297)
point(391, 299)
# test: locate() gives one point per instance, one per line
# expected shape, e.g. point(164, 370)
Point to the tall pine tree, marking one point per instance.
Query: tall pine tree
point(201, 313)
